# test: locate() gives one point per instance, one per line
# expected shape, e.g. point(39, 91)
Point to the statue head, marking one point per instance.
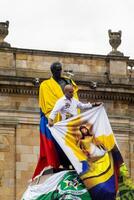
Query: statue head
point(56, 69)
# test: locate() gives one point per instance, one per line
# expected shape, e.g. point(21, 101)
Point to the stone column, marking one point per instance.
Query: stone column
point(132, 150)
point(7, 162)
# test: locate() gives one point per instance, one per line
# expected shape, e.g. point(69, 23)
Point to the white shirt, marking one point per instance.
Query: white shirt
point(68, 108)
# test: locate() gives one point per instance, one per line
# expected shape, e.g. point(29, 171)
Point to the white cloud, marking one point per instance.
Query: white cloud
point(68, 25)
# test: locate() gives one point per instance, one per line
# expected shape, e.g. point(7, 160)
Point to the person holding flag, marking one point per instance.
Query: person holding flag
point(68, 105)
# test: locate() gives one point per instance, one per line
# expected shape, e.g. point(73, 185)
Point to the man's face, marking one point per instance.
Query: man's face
point(69, 93)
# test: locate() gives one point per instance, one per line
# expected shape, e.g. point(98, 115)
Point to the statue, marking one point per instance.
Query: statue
point(3, 33)
point(115, 41)
point(51, 155)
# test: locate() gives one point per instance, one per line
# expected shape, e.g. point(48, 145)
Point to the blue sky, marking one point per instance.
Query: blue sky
point(69, 25)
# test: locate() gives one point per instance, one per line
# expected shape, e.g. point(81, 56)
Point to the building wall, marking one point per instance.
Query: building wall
point(19, 112)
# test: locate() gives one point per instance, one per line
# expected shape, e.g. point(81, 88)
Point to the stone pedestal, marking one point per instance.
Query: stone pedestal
point(7, 162)
point(118, 70)
point(7, 63)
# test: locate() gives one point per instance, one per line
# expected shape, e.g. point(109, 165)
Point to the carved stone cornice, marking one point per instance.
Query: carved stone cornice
point(83, 94)
point(105, 91)
point(20, 90)
point(52, 53)
point(100, 95)
point(14, 117)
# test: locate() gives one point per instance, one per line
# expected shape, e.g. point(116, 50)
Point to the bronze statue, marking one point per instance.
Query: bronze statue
point(56, 69)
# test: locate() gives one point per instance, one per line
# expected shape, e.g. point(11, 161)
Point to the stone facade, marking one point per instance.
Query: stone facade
point(19, 112)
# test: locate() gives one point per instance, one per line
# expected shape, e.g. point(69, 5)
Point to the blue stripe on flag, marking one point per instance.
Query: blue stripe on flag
point(43, 127)
point(104, 191)
point(85, 166)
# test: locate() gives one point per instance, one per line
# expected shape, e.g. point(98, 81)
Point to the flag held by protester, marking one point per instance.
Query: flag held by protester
point(89, 143)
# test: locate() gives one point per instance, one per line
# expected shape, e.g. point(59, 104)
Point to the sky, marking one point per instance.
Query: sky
point(79, 26)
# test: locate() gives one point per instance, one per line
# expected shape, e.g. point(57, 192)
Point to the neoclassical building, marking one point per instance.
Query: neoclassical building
point(108, 78)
